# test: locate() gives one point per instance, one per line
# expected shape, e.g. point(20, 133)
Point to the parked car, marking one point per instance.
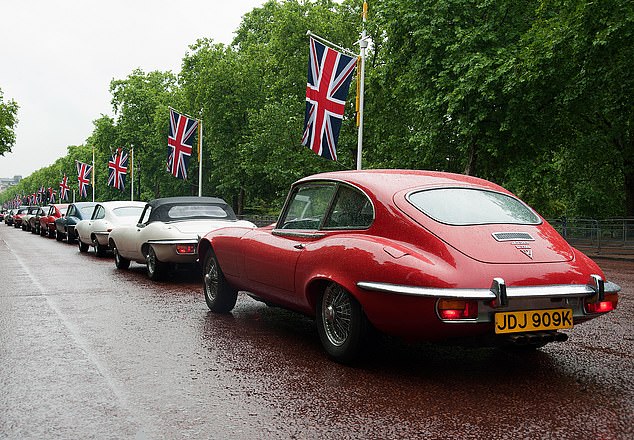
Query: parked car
point(65, 226)
point(420, 255)
point(105, 216)
point(3, 212)
point(19, 215)
point(168, 232)
point(47, 221)
point(8, 216)
point(34, 221)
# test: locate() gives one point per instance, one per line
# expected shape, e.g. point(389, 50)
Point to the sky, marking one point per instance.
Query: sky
point(57, 58)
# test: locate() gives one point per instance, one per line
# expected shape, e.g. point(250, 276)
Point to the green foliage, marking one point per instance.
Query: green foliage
point(536, 96)
point(8, 121)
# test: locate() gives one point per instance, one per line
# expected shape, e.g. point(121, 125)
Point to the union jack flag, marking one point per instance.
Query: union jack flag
point(118, 166)
point(63, 188)
point(179, 143)
point(329, 76)
point(83, 177)
point(51, 195)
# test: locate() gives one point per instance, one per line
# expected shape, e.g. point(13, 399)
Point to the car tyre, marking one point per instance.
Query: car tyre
point(119, 261)
point(58, 236)
point(219, 295)
point(99, 249)
point(341, 324)
point(83, 247)
point(155, 268)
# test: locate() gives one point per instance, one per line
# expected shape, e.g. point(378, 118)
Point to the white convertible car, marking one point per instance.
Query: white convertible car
point(105, 216)
point(168, 232)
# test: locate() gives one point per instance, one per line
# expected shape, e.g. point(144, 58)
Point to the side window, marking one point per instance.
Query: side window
point(51, 211)
point(145, 216)
point(308, 206)
point(71, 212)
point(351, 210)
point(99, 213)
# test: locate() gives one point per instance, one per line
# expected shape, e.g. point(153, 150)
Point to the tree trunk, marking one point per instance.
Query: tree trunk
point(472, 160)
point(629, 189)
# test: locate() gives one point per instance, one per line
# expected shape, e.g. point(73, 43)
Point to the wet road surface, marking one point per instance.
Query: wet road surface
point(87, 351)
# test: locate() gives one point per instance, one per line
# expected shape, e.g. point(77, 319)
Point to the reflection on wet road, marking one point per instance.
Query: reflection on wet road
point(87, 351)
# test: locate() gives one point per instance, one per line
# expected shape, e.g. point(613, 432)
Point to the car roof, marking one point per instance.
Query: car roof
point(186, 200)
point(83, 204)
point(111, 204)
point(390, 181)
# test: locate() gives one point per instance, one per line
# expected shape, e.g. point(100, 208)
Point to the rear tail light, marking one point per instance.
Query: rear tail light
point(185, 249)
point(608, 304)
point(456, 309)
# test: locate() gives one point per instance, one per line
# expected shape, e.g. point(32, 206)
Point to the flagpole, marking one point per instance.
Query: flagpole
point(131, 173)
point(93, 173)
point(363, 45)
point(200, 158)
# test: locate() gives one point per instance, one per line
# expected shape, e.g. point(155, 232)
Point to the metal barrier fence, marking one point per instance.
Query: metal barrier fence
point(610, 236)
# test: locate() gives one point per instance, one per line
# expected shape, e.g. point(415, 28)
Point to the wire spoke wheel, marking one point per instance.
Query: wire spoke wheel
point(341, 324)
point(211, 279)
point(337, 315)
point(219, 295)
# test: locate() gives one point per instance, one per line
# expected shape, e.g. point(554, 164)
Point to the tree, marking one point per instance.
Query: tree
point(8, 121)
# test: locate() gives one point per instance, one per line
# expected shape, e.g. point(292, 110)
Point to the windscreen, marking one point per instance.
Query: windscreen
point(128, 211)
point(466, 206)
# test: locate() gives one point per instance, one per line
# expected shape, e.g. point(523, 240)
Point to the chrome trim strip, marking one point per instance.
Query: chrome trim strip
point(102, 233)
point(283, 233)
point(559, 290)
point(169, 242)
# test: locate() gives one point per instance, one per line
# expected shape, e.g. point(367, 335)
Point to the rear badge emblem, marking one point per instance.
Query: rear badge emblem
point(524, 248)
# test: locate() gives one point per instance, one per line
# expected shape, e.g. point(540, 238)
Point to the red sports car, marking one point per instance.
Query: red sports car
point(421, 255)
point(47, 221)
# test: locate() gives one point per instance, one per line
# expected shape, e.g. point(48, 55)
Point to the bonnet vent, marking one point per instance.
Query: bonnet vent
point(510, 236)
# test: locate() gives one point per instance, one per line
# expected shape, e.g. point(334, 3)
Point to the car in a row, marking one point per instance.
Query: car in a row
point(158, 234)
point(420, 255)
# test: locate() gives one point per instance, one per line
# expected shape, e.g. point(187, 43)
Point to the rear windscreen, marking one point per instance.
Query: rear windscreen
point(466, 206)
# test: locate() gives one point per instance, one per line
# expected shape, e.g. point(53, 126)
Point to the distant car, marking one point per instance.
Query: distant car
point(34, 221)
point(47, 221)
point(65, 226)
point(168, 232)
point(8, 217)
point(19, 215)
point(2, 214)
point(420, 255)
point(105, 216)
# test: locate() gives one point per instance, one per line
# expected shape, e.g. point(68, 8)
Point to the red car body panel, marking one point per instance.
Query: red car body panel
point(54, 211)
point(402, 246)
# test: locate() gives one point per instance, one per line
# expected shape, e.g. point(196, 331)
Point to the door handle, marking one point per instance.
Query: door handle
point(299, 246)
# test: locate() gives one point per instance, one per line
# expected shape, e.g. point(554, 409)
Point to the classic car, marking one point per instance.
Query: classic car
point(21, 218)
point(3, 212)
point(46, 225)
point(106, 215)
point(168, 232)
point(415, 254)
point(65, 226)
point(8, 217)
point(34, 221)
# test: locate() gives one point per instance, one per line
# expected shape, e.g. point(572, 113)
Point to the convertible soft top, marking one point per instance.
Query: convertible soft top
point(160, 207)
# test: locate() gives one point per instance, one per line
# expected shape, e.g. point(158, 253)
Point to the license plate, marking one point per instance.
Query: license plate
point(533, 320)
